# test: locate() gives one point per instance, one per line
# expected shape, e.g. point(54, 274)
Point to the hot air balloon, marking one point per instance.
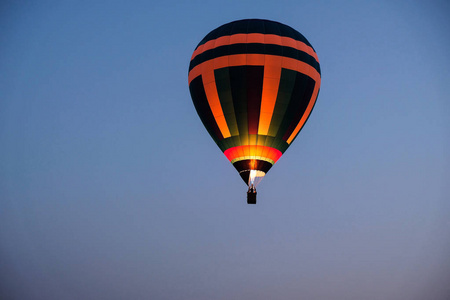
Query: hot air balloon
point(254, 84)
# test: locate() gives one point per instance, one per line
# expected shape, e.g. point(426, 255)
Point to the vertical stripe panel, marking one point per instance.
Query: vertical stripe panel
point(226, 100)
point(286, 85)
point(238, 89)
point(214, 103)
point(255, 76)
point(303, 101)
point(296, 103)
point(307, 113)
point(202, 106)
point(271, 82)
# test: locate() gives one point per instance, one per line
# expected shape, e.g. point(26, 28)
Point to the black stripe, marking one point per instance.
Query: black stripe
point(201, 104)
point(255, 48)
point(307, 118)
point(255, 77)
point(238, 86)
point(285, 88)
point(252, 164)
point(304, 100)
point(298, 101)
point(254, 26)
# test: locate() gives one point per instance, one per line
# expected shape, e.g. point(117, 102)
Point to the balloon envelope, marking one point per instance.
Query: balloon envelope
point(254, 84)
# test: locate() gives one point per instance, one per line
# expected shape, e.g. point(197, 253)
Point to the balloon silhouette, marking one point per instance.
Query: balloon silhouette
point(254, 84)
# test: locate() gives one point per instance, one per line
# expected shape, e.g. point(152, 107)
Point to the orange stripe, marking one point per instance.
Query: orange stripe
point(222, 41)
point(214, 102)
point(237, 60)
point(307, 112)
point(255, 38)
point(272, 75)
point(221, 62)
point(288, 42)
point(228, 61)
point(240, 38)
point(207, 69)
point(256, 60)
point(253, 60)
point(273, 39)
point(305, 69)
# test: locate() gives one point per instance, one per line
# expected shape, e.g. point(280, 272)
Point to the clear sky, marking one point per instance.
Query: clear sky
point(110, 187)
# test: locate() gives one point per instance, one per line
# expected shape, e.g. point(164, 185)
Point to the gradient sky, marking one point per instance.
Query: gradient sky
point(110, 187)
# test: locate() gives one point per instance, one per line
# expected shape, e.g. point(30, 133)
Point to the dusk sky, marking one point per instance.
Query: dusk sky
point(111, 188)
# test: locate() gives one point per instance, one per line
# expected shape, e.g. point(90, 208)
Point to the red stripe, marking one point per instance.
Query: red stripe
point(253, 150)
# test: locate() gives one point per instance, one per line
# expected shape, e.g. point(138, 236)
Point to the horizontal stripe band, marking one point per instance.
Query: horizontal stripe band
point(254, 26)
point(259, 140)
point(267, 39)
point(252, 164)
point(252, 157)
point(275, 50)
point(254, 60)
point(249, 152)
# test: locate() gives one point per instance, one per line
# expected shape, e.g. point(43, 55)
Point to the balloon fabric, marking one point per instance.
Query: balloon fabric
point(254, 84)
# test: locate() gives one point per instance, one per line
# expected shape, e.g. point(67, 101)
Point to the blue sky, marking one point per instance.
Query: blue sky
point(111, 188)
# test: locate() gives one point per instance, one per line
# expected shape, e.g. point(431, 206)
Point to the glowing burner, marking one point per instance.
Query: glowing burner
point(255, 177)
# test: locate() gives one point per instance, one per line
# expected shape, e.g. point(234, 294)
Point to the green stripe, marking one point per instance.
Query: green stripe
point(222, 77)
point(238, 87)
point(297, 103)
point(287, 83)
